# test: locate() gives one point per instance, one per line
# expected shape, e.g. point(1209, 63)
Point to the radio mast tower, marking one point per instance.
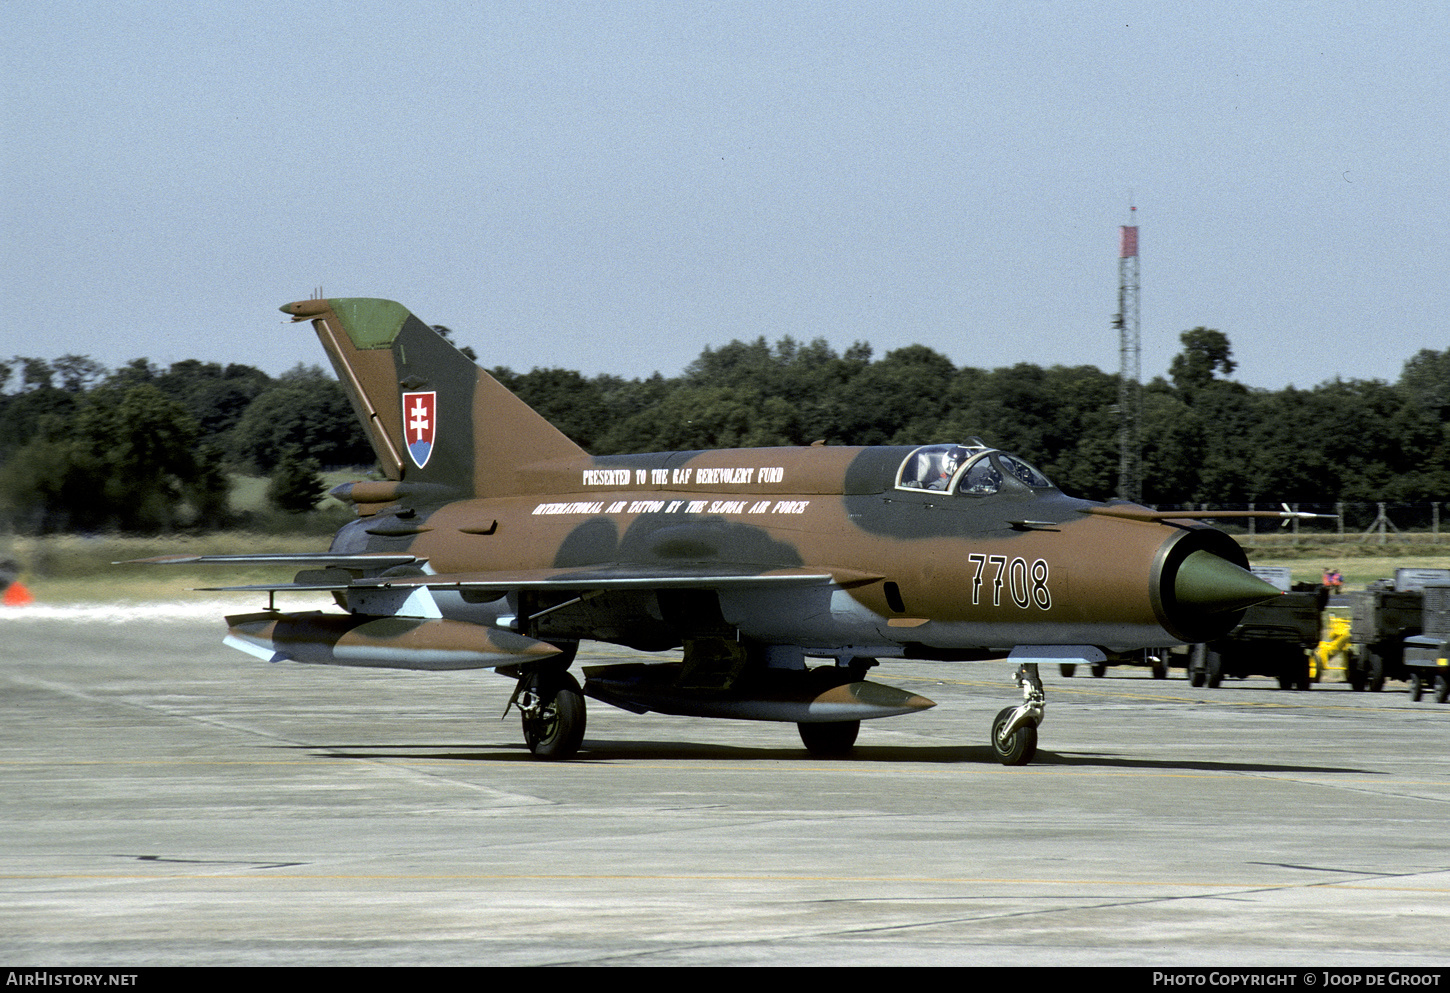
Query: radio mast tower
point(1130, 371)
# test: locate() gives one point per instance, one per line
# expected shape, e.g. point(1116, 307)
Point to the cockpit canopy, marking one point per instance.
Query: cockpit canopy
point(970, 469)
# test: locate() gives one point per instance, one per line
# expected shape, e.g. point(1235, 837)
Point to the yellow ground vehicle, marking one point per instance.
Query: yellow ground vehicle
point(1333, 651)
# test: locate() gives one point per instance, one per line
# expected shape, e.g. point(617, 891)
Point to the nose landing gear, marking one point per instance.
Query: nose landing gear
point(1014, 730)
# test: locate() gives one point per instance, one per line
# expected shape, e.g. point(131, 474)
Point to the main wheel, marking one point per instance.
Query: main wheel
point(1442, 689)
point(1374, 672)
point(1196, 665)
point(1019, 748)
point(1067, 669)
point(1213, 666)
point(1293, 669)
point(1417, 687)
point(1305, 682)
point(556, 730)
point(1354, 672)
point(1099, 669)
point(829, 739)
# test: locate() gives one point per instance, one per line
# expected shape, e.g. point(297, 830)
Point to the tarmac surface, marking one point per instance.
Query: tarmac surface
point(168, 801)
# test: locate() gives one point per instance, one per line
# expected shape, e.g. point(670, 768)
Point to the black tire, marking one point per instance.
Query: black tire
point(829, 739)
point(1196, 674)
point(1374, 672)
point(1354, 673)
point(1442, 689)
point(1213, 667)
point(558, 730)
point(1018, 749)
point(1417, 687)
point(1100, 669)
point(1067, 669)
point(1296, 666)
point(1160, 671)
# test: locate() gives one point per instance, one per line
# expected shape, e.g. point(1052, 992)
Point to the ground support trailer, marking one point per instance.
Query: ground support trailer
point(1274, 639)
point(1384, 617)
point(1427, 655)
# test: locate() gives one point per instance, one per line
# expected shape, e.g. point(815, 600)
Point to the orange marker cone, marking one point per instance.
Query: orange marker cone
point(16, 595)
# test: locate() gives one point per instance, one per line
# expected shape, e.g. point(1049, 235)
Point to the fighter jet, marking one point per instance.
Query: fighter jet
point(496, 542)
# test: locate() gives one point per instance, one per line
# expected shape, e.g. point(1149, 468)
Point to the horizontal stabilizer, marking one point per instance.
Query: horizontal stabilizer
point(298, 560)
point(276, 588)
point(615, 578)
point(575, 580)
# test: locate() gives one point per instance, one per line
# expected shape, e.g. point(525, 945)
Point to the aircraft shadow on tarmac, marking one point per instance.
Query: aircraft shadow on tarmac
point(606, 750)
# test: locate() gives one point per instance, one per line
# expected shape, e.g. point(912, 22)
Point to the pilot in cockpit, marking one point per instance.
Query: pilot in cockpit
point(948, 468)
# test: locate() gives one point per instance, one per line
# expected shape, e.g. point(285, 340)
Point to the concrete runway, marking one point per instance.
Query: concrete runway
point(165, 800)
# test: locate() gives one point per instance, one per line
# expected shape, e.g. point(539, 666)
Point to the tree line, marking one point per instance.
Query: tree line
point(142, 448)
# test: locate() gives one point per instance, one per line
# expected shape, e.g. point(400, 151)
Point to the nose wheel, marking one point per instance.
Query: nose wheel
point(1014, 731)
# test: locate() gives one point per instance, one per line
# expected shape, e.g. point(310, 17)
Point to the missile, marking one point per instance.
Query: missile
point(798, 696)
point(380, 642)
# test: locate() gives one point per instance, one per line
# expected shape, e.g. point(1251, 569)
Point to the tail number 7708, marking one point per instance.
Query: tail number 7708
point(1026, 584)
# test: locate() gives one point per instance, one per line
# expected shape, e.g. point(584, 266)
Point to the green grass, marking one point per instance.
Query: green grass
point(1360, 560)
point(79, 568)
point(75, 568)
point(1358, 572)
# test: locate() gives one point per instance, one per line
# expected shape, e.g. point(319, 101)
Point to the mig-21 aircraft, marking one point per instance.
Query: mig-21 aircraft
point(496, 542)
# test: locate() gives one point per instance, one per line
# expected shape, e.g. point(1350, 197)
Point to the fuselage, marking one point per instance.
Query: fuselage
point(914, 571)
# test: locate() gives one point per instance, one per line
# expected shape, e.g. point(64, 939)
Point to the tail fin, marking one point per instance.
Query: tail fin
point(431, 414)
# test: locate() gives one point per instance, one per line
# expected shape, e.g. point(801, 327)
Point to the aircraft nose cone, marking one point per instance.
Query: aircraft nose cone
point(1215, 584)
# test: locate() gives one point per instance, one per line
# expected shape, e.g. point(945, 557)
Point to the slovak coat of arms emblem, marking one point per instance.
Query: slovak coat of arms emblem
point(420, 425)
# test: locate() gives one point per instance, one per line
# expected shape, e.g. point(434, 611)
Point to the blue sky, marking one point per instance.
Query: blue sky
point(612, 187)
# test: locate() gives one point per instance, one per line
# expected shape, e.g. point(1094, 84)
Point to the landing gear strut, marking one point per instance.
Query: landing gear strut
point(1014, 731)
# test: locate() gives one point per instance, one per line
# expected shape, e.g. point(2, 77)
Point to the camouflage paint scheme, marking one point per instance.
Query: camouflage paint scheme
point(504, 544)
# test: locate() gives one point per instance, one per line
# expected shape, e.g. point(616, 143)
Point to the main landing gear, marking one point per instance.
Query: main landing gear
point(1014, 731)
point(552, 706)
